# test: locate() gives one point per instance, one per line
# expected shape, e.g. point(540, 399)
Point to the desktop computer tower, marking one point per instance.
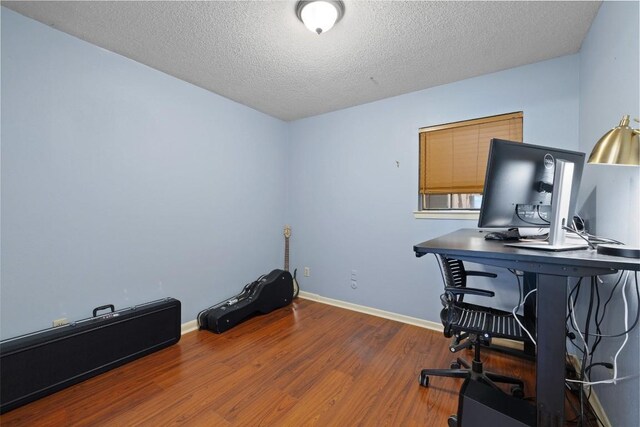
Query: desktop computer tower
point(481, 405)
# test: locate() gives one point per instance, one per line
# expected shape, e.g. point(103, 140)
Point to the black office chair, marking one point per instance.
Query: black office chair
point(454, 274)
point(472, 325)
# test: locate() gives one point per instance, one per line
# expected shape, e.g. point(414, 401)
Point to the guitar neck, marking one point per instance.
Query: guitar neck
point(286, 254)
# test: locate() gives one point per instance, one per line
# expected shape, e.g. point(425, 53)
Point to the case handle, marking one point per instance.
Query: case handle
point(103, 307)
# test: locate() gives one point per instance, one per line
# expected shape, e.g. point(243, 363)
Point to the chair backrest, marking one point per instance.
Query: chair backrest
point(453, 275)
point(453, 272)
point(457, 316)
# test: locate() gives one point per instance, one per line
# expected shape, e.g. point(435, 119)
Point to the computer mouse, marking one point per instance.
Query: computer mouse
point(494, 235)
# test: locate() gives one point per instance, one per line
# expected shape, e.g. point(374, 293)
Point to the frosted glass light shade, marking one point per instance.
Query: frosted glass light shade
point(319, 16)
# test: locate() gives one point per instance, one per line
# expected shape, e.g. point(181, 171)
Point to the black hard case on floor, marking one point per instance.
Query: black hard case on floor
point(269, 292)
point(38, 364)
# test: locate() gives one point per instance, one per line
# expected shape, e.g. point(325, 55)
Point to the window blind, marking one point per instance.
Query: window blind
point(453, 156)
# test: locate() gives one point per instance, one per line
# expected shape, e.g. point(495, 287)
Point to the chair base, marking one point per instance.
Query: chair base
point(474, 373)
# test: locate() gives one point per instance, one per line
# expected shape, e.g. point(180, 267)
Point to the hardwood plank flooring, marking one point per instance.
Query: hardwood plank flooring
point(303, 365)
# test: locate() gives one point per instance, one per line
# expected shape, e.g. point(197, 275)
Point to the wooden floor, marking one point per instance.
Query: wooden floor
point(306, 364)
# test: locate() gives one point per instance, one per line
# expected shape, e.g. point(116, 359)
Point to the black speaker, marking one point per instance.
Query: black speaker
point(481, 405)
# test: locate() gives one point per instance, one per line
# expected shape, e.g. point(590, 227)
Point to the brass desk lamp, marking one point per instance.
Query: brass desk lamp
point(619, 146)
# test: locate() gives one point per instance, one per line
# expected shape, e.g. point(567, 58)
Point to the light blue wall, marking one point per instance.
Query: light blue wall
point(121, 184)
point(609, 88)
point(352, 206)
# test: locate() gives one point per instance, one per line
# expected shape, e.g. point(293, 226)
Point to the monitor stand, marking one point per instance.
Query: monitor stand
point(560, 201)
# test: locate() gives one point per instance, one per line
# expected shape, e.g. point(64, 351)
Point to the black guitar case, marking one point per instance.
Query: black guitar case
point(267, 293)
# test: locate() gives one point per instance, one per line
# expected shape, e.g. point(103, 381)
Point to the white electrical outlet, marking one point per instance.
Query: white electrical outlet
point(307, 272)
point(60, 322)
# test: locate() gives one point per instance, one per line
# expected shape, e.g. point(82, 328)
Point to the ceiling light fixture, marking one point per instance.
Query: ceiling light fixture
point(319, 16)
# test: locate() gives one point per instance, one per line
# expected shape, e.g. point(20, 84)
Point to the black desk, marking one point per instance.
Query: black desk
point(552, 270)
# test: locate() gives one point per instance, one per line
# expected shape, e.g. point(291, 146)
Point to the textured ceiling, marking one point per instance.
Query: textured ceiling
point(259, 54)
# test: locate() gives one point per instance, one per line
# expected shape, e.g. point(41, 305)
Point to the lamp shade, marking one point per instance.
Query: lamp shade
point(619, 146)
point(320, 16)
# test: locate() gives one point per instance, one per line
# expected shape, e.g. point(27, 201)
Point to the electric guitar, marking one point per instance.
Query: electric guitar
point(287, 235)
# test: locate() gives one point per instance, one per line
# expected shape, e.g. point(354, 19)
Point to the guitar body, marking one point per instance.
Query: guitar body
point(268, 293)
point(296, 287)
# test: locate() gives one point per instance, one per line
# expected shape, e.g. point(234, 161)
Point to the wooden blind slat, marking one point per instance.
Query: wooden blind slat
point(453, 159)
point(497, 118)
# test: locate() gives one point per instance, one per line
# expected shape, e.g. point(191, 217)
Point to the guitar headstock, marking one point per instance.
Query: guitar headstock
point(287, 231)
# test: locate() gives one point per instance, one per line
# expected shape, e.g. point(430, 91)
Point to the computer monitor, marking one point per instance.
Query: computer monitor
point(531, 186)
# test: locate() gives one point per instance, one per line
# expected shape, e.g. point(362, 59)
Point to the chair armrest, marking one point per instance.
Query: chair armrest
point(469, 291)
point(481, 273)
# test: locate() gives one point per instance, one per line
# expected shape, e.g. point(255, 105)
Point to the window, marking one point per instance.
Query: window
point(453, 160)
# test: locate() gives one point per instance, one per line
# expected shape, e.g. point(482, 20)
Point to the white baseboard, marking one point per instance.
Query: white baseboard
point(373, 311)
point(190, 326)
point(593, 398)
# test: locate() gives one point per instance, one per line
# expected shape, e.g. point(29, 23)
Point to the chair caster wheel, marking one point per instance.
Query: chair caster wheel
point(424, 380)
point(517, 391)
point(452, 421)
point(455, 365)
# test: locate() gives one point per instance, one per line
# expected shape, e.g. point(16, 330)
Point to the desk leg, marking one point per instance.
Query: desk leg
point(550, 362)
point(529, 283)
